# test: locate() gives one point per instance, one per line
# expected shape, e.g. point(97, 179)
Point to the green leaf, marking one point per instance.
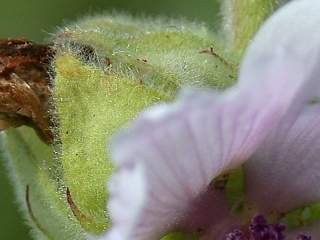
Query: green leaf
point(34, 173)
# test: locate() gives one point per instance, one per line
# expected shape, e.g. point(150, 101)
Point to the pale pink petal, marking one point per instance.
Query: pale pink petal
point(286, 167)
point(179, 166)
point(181, 148)
point(285, 172)
point(174, 151)
point(287, 45)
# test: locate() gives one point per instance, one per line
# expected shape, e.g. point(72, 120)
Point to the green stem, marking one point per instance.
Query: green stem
point(242, 19)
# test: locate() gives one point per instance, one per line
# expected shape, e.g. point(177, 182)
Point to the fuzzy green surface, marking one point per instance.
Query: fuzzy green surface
point(108, 69)
point(30, 162)
point(91, 107)
point(162, 53)
point(242, 19)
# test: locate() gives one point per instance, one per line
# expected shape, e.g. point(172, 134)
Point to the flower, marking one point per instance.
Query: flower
point(269, 122)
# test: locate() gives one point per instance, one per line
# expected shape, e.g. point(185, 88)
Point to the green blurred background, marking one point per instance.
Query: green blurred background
point(36, 19)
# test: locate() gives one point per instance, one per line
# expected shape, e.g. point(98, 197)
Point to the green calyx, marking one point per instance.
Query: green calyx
point(107, 70)
point(162, 54)
point(91, 107)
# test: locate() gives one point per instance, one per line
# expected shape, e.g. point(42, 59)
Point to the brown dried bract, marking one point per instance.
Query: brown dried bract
point(25, 86)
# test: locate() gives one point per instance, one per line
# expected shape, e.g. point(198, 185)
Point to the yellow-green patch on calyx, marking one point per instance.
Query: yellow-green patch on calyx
point(91, 106)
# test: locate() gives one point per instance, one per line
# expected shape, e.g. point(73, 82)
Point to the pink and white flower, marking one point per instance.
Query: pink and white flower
point(269, 122)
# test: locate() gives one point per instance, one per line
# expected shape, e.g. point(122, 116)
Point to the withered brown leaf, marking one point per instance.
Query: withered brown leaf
point(25, 86)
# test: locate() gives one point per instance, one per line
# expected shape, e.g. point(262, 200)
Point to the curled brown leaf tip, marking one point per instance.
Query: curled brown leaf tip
point(25, 89)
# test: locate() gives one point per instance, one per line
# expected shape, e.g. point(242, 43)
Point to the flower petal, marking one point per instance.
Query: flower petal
point(178, 149)
point(287, 165)
point(173, 152)
point(285, 172)
point(288, 43)
point(179, 163)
